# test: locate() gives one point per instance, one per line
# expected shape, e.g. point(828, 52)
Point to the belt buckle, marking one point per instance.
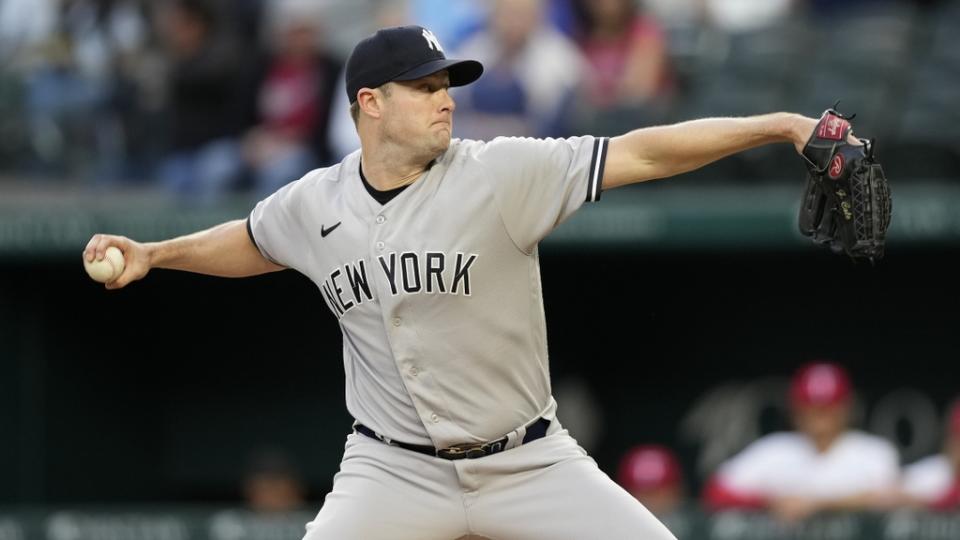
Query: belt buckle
point(471, 451)
point(468, 451)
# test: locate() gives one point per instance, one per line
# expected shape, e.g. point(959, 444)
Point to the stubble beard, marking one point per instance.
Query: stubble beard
point(443, 141)
point(430, 147)
point(425, 148)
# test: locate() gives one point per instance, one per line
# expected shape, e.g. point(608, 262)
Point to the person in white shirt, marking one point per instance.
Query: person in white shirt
point(823, 465)
point(934, 481)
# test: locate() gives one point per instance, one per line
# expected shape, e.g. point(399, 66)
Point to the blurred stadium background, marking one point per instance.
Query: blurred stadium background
point(676, 310)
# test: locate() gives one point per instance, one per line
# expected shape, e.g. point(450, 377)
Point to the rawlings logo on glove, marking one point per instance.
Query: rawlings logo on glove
point(846, 204)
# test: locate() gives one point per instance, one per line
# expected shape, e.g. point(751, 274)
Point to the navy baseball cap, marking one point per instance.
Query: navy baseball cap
point(403, 53)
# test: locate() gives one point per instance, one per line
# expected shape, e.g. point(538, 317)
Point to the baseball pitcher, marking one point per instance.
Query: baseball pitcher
point(424, 248)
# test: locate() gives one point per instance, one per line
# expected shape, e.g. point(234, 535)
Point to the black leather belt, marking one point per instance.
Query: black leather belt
point(535, 431)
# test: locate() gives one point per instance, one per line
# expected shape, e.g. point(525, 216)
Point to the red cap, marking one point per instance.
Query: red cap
point(955, 419)
point(648, 467)
point(820, 383)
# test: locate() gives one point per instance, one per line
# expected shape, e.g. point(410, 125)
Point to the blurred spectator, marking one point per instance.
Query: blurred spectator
point(25, 24)
point(452, 21)
point(625, 51)
point(342, 134)
point(734, 16)
point(73, 56)
point(271, 483)
point(934, 482)
point(626, 54)
point(209, 96)
point(651, 473)
point(824, 465)
point(293, 101)
point(531, 74)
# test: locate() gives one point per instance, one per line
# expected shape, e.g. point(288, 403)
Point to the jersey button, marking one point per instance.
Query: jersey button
point(381, 219)
point(380, 246)
point(396, 321)
point(414, 371)
point(434, 418)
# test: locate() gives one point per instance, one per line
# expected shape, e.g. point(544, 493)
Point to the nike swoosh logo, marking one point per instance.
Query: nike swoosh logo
point(325, 231)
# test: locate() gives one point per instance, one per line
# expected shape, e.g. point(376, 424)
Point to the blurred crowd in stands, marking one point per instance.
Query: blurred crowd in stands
point(210, 97)
point(824, 464)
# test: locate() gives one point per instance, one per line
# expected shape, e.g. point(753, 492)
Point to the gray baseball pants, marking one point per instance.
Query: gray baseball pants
point(548, 489)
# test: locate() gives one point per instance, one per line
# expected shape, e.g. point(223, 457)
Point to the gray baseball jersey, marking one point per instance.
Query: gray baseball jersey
point(438, 292)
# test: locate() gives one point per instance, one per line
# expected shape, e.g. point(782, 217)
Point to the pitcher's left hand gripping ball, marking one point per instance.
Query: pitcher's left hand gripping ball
point(846, 204)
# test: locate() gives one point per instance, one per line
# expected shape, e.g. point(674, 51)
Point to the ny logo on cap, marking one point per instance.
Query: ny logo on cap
point(432, 40)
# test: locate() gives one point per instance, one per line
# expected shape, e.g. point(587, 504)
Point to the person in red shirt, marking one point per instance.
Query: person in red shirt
point(822, 465)
point(292, 105)
point(626, 53)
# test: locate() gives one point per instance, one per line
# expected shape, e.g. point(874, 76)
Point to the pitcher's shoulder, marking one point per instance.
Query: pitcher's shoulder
point(333, 176)
point(473, 149)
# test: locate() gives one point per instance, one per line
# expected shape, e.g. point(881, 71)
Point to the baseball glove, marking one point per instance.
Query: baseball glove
point(846, 204)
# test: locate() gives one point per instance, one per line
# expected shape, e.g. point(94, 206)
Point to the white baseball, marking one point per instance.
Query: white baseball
point(108, 269)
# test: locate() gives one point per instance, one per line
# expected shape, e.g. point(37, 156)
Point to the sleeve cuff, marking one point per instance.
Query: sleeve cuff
point(597, 162)
point(256, 245)
point(250, 234)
